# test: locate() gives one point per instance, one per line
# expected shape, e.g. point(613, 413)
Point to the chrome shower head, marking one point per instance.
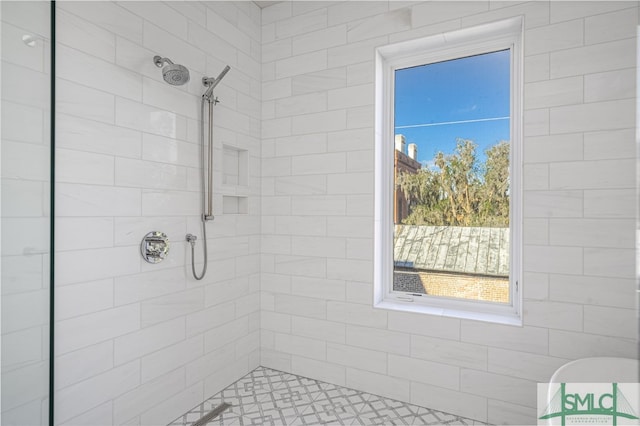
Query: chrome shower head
point(174, 74)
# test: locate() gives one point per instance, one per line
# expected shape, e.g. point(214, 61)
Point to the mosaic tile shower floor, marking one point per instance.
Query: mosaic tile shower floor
point(271, 397)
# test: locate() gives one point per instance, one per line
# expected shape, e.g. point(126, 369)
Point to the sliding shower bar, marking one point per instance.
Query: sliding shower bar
point(210, 84)
point(207, 183)
point(208, 213)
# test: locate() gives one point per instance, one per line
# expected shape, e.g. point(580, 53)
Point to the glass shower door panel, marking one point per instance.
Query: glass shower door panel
point(25, 151)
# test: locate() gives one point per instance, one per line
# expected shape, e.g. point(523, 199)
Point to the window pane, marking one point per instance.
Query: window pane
point(451, 172)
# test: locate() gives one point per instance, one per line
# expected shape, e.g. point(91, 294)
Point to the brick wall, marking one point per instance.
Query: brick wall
point(475, 287)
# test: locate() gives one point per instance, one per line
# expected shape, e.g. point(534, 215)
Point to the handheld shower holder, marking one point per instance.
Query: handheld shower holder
point(210, 82)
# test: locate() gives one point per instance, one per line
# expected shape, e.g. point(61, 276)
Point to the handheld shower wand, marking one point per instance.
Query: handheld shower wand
point(211, 83)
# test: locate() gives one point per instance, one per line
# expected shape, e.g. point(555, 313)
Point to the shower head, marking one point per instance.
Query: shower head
point(210, 83)
point(174, 74)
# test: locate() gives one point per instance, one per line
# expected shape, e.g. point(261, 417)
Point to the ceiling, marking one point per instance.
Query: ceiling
point(263, 4)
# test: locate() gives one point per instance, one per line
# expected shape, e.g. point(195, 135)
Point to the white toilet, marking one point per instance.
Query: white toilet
point(598, 370)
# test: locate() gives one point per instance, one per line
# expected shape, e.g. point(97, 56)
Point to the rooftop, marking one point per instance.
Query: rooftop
point(468, 250)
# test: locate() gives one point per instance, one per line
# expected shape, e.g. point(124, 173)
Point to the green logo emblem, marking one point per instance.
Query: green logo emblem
point(588, 405)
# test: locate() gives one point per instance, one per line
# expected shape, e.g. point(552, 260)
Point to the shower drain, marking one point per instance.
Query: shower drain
point(211, 414)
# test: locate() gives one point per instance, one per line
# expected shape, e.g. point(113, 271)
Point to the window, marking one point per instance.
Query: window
point(448, 166)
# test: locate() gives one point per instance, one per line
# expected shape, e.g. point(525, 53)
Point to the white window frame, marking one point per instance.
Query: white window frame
point(486, 38)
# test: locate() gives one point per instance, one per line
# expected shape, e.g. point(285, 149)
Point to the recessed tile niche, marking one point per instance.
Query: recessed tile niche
point(235, 178)
point(232, 204)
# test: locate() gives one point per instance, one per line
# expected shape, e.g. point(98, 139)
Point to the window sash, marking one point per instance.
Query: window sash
point(486, 38)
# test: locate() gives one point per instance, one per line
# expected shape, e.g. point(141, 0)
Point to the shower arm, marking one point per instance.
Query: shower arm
point(160, 61)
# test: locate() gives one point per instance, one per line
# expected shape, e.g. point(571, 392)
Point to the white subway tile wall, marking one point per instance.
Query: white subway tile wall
point(138, 343)
point(290, 253)
point(317, 195)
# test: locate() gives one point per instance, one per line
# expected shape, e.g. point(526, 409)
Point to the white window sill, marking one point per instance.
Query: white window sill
point(505, 318)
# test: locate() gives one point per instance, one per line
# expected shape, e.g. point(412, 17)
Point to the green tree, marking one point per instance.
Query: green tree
point(494, 197)
point(458, 191)
point(423, 192)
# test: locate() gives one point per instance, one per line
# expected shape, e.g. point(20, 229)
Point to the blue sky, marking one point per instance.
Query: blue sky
point(473, 90)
